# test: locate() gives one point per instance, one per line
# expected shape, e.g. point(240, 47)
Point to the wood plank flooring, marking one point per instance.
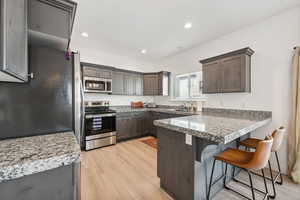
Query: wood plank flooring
point(127, 171)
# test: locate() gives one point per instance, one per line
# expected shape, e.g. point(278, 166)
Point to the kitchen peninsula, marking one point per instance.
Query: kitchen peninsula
point(186, 146)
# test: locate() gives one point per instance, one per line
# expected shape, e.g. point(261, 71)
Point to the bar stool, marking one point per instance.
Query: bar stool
point(278, 137)
point(247, 161)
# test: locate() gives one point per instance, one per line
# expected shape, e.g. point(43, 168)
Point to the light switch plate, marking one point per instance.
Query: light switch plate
point(188, 139)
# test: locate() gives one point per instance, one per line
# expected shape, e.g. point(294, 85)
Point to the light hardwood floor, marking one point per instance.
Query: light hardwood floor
point(128, 171)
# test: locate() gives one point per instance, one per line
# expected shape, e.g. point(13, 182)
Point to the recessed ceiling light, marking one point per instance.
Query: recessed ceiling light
point(188, 25)
point(144, 51)
point(84, 34)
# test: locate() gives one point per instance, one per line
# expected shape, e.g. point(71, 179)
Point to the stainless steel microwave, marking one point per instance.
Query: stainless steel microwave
point(97, 85)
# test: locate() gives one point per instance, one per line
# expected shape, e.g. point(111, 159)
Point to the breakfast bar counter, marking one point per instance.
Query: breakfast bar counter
point(186, 146)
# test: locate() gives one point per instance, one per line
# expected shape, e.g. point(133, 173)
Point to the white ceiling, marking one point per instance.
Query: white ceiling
point(126, 27)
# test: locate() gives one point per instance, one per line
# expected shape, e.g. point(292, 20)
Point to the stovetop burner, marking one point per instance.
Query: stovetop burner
point(97, 107)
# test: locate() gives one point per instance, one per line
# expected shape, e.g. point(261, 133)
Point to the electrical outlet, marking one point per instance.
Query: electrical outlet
point(188, 139)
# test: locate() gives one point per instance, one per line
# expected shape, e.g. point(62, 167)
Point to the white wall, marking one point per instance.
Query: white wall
point(98, 57)
point(272, 40)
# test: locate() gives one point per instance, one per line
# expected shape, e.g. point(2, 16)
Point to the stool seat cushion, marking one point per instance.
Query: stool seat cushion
point(235, 157)
point(250, 142)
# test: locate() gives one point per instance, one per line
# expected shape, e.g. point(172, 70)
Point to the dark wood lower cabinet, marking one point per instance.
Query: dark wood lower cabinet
point(56, 184)
point(138, 124)
point(154, 115)
point(132, 125)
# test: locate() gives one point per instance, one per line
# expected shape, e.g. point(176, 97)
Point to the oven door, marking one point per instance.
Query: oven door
point(95, 84)
point(99, 125)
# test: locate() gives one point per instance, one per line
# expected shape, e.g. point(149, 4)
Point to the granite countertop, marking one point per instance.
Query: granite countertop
point(25, 156)
point(217, 126)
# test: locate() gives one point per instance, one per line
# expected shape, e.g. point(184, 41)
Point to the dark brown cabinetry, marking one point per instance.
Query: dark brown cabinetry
point(127, 83)
point(138, 124)
point(156, 84)
point(211, 77)
point(132, 125)
point(13, 42)
point(118, 83)
point(51, 22)
point(150, 84)
point(228, 73)
point(138, 83)
point(97, 71)
point(156, 116)
point(55, 184)
point(132, 83)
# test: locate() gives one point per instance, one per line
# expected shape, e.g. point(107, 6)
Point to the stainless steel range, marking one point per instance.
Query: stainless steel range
point(100, 125)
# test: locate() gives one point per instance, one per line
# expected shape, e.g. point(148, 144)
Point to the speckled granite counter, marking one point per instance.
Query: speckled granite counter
point(25, 156)
point(218, 125)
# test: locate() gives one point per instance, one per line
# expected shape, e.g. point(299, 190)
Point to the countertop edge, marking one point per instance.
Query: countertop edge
point(218, 139)
point(244, 131)
point(37, 166)
point(30, 155)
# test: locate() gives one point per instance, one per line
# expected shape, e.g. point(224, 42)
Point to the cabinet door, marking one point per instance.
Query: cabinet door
point(160, 83)
point(151, 84)
point(148, 90)
point(55, 184)
point(123, 128)
point(233, 74)
point(103, 73)
point(15, 34)
point(211, 77)
point(128, 84)
point(155, 84)
point(145, 127)
point(89, 71)
point(139, 85)
point(155, 116)
point(49, 19)
point(142, 124)
point(118, 83)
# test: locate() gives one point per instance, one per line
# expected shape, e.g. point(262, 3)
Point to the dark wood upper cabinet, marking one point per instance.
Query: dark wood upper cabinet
point(157, 84)
point(100, 71)
point(150, 84)
point(211, 77)
point(127, 83)
point(118, 83)
point(131, 83)
point(13, 42)
point(139, 85)
point(228, 73)
point(51, 22)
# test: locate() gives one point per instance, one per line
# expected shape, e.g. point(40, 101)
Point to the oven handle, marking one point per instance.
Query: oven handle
point(100, 115)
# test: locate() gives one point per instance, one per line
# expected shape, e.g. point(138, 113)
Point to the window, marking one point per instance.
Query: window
point(188, 86)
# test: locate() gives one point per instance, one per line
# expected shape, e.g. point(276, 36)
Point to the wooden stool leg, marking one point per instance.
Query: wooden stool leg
point(279, 169)
point(211, 177)
point(251, 184)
